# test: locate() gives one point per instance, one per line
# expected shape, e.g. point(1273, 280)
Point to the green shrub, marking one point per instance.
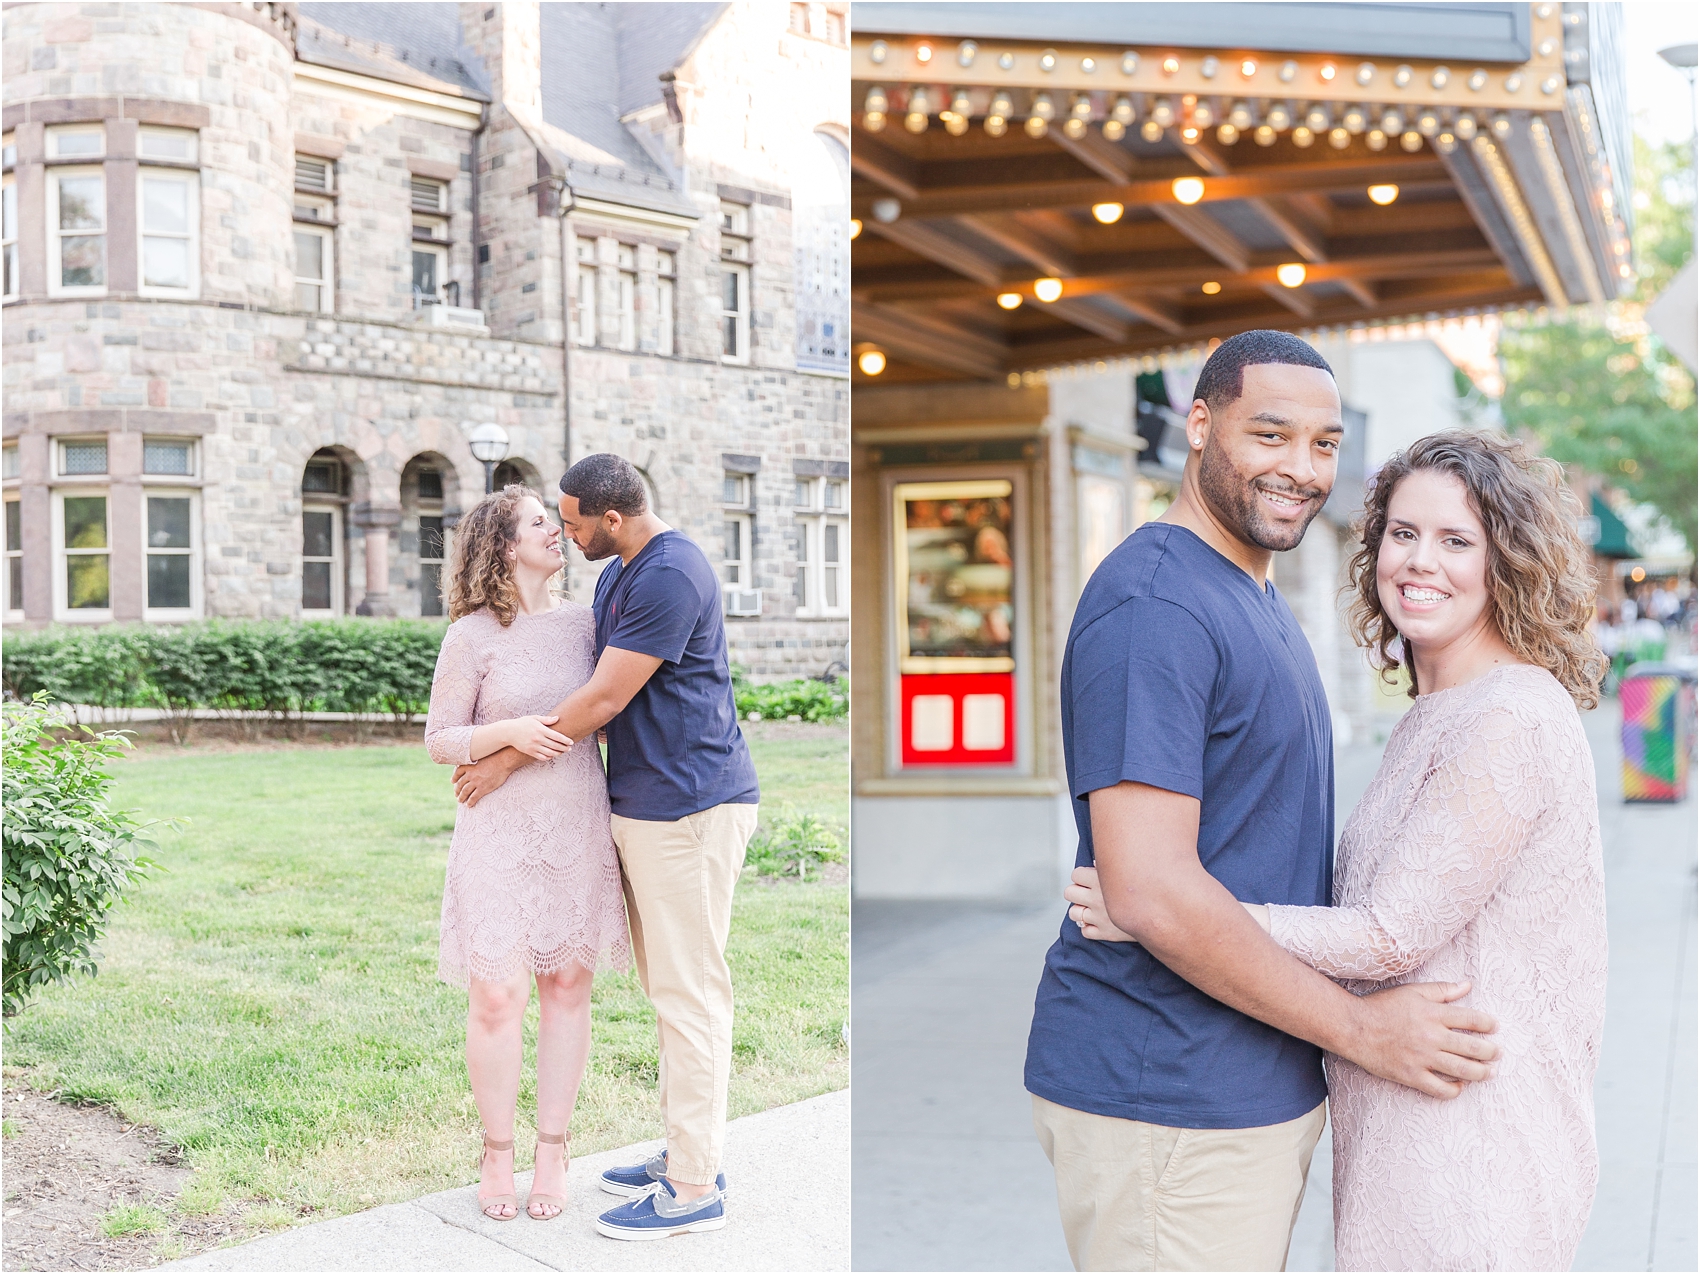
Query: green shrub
point(787, 843)
point(251, 670)
point(68, 857)
point(805, 699)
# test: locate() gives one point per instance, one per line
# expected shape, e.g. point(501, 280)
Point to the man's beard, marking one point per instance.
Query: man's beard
point(601, 545)
point(1234, 499)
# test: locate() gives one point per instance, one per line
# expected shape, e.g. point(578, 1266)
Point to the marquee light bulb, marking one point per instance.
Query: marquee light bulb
point(872, 362)
point(1009, 300)
point(1383, 195)
point(1108, 213)
point(1291, 275)
point(1047, 289)
point(1188, 190)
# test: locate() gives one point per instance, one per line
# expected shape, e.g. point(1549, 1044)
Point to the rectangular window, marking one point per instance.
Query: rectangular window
point(174, 457)
point(822, 556)
point(9, 461)
point(8, 152)
point(431, 566)
point(169, 216)
point(666, 268)
point(427, 195)
point(177, 144)
point(321, 559)
point(171, 555)
point(735, 555)
point(9, 235)
point(315, 282)
point(831, 567)
point(312, 208)
point(430, 274)
point(735, 313)
point(83, 580)
point(803, 492)
point(14, 556)
point(76, 240)
point(628, 297)
point(430, 484)
point(76, 142)
point(586, 292)
point(82, 456)
point(834, 495)
point(735, 490)
point(323, 476)
point(312, 173)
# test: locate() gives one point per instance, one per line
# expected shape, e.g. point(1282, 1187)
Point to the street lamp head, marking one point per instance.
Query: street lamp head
point(1681, 56)
point(489, 443)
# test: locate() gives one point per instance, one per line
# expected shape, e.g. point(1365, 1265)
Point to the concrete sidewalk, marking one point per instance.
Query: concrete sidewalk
point(943, 994)
point(773, 1222)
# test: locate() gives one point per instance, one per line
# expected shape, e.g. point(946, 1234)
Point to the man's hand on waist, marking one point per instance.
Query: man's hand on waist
point(476, 781)
point(1416, 1035)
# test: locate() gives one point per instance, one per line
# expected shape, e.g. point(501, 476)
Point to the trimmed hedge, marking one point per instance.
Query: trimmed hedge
point(269, 668)
point(278, 669)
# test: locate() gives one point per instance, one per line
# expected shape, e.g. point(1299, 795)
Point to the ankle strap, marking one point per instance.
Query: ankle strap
point(498, 1145)
point(554, 1138)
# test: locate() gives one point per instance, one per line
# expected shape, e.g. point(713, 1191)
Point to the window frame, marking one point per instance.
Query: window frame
point(626, 259)
point(194, 458)
point(329, 188)
point(740, 317)
point(14, 556)
point(584, 298)
point(60, 444)
point(443, 533)
point(440, 250)
point(337, 560)
point(440, 208)
point(326, 284)
point(191, 179)
point(56, 235)
point(666, 303)
point(9, 261)
point(62, 611)
point(746, 562)
point(192, 136)
point(55, 132)
point(812, 518)
point(169, 614)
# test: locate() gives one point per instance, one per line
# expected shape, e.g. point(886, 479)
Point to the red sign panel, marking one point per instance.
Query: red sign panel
point(957, 719)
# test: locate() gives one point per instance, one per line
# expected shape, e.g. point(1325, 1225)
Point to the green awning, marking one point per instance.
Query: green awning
point(1614, 535)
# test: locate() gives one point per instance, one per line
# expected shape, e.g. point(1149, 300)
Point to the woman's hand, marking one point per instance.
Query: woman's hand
point(1087, 909)
point(532, 736)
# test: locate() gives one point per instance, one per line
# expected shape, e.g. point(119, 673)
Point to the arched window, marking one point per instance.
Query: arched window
point(324, 499)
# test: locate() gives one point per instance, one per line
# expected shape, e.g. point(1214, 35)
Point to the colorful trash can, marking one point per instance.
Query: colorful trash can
point(1658, 731)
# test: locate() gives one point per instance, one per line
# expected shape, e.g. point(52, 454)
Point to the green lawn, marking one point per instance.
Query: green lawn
point(269, 1000)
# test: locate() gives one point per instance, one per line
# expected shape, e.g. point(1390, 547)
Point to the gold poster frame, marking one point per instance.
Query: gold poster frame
point(901, 494)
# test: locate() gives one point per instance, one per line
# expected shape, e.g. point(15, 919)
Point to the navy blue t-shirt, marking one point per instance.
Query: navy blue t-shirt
point(1183, 673)
point(675, 749)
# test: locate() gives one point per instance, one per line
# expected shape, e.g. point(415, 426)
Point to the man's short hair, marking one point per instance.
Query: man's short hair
point(1223, 379)
point(605, 481)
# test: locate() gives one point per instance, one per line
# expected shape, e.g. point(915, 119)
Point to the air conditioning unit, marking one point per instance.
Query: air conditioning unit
point(742, 601)
point(450, 316)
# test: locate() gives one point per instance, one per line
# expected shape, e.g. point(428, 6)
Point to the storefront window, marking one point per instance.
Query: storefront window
point(956, 576)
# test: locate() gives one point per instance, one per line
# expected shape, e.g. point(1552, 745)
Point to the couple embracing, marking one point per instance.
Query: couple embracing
point(1454, 991)
point(553, 864)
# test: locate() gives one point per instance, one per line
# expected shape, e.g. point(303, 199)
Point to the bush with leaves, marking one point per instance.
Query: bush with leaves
point(805, 699)
point(69, 857)
point(787, 843)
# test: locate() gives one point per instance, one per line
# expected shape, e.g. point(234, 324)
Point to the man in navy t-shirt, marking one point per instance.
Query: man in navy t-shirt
point(683, 793)
point(1177, 1079)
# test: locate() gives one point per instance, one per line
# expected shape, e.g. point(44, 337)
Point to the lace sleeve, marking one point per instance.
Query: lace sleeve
point(454, 697)
point(1475, 812)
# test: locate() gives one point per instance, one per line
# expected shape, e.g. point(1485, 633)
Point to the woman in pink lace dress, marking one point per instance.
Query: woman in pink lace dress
point(533, 885)
point(1473, 857)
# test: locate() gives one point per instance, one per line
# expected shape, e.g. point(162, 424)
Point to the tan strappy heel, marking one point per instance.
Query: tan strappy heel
point(486, 1202)
point(559, 1202)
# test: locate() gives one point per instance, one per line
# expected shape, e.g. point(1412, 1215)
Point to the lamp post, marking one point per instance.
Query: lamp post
point(489, 443)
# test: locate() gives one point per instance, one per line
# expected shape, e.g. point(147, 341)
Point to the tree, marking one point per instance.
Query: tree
point(1596, 388)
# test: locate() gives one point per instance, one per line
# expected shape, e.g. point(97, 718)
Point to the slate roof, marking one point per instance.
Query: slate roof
point(414, 44)
point(601, 62)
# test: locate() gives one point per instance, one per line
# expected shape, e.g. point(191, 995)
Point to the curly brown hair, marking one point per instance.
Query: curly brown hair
point(480, 574)
point(1540, 580)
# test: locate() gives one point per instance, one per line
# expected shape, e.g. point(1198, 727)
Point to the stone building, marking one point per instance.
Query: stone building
point(268, 265)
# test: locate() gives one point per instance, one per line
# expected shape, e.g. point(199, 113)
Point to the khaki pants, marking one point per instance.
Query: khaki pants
point(1138, 1196)
point(678, 879)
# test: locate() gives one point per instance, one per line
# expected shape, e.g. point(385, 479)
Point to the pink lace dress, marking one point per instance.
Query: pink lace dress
point(533, 880)
point(1475, 854)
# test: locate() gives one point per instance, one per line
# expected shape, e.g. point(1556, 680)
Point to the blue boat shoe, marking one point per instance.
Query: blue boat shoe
point(660, 1214)
point(639, 1178)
